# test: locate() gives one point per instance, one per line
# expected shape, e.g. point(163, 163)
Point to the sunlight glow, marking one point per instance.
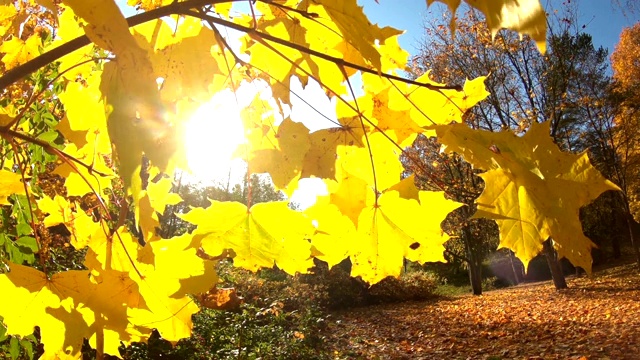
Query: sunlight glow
point(215, 131)
point(307, 191)
point(212, 134)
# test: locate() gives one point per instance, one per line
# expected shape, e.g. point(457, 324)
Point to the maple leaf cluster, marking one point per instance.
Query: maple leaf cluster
point(129, 84)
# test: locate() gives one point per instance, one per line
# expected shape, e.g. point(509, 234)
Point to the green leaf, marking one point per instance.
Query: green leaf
point(28, 243)
point(28, 347)
point(3, 331)
point(14, 348)
point(49, 136)
point(23, 229)
point(22, 250)
point(20, 210)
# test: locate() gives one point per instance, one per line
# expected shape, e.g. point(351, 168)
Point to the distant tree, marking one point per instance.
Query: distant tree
point(253, 189)
point(566, 86)
point(625, 94)
point(473, 239)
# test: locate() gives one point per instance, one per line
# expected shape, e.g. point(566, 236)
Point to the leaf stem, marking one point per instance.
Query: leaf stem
point(366, 137)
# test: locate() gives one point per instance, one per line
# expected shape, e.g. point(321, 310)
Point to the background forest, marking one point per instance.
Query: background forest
point(588, 97)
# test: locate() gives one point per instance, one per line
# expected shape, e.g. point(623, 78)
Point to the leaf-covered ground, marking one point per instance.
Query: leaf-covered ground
point(596, 318)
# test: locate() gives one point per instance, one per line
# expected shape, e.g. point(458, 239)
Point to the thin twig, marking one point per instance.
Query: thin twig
point(33, 97)
point(49, 148)
point(375, 126)
point(185, 8)
point(36, 236)
point(48, 57)
point(364, 132)
point(338, 61)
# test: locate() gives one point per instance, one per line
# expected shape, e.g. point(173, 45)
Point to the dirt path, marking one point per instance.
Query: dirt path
point(595, 318)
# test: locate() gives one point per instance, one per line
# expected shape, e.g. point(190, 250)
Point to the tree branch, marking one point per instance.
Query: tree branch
point(48, 57)
point(184, 8)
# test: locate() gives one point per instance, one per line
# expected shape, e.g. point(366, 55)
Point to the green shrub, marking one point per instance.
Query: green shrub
point(344, 291)
point(341, 290)
point(447, 274)
point(283, 316)
point(412, 286)
point(493, 282)
point(249, 333)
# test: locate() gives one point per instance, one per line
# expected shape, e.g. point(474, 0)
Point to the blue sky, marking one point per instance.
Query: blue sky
point(602, 20)
point(599, 17)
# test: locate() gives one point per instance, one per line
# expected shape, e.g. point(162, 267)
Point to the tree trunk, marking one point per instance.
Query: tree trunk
point(631, 224)
point(517, 275)
point(554, 265)
point(474, 266)
point(475, 277)
point(615, 245)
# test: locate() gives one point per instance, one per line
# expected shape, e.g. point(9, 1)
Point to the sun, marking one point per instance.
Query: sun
point(212, 134)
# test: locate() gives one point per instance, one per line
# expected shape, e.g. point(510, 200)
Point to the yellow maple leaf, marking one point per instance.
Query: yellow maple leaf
point(137, 118)
point(31, 299)
point(525, 16)
point(256, 235)
point(534, 191)
point(311, 32)
point(194, 275)
point(71, 65)
point(349, 195)
point(78, 179)
point(431, 238)
point(79, 138)
point(105, 303)
point(184, 58)
point(117, 251)
point(162, 287)
point(85, 112)
point(7, 14)
point(154, 201)
point(385, 156)
point(328, 146)
point(356, 28)
point(281, 154)
point(17, 52)
point(80, 224)
point(10, 183)
point(393, 57)
point(147, 5)
point(114, 305)
point(394, 228)
point(397, 124)
point(333, 238)
point(440, 106)
point(406, 188)
point(137, 122)
point(105, 25)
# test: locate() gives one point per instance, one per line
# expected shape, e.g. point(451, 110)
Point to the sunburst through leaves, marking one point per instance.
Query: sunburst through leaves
point(113, 138)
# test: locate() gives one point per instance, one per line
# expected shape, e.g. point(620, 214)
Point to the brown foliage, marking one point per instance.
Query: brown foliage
point(625, 60)
point(221, 299)
point(594, 319)
point(626, 95)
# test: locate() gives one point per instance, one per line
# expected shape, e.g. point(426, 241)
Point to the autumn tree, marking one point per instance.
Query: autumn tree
point(119, 92)
point(253, 187)
point(625, 95)
point(474, 238)
point(525, 86)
